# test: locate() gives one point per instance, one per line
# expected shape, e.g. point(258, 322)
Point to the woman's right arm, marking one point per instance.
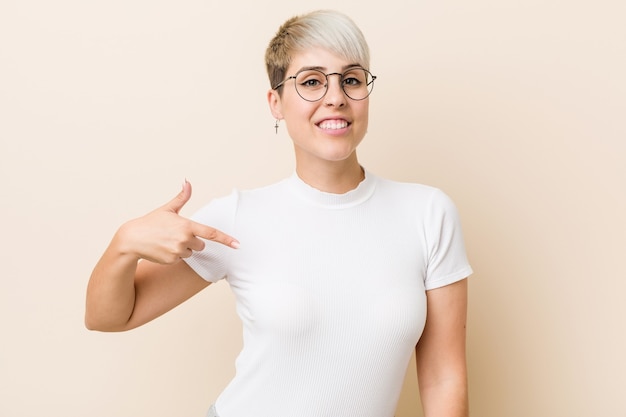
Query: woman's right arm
point(124, 293)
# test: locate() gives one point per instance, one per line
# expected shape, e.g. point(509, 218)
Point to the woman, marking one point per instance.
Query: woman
point(337, 269)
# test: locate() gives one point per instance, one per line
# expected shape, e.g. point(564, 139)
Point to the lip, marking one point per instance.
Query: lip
point(333, 121)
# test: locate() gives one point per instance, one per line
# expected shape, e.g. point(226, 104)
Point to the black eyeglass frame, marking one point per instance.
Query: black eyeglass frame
point(280, 84)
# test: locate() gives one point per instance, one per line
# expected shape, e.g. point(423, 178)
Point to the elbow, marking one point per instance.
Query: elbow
point(89, 321)
point(97, 327)
point(102, 317)
point(93, 323)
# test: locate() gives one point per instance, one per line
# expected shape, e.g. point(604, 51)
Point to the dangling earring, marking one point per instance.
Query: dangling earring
point(276, 126)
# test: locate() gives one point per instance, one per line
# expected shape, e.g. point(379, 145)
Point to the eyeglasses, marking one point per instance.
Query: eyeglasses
point(311, 84)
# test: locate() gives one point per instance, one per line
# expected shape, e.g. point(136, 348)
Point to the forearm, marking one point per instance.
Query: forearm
point(111, 290)
point(123, 293)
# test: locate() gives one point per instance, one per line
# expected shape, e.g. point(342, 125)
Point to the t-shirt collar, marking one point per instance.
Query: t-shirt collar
point(313, 196)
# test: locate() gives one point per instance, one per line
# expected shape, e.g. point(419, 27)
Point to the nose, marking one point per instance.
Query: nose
point(334, 93)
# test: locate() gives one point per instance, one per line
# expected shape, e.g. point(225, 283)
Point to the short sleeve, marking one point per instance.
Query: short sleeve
point(211, 263)
point(447, 258)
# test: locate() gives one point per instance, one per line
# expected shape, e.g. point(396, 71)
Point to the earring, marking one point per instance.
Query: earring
point(276, 126)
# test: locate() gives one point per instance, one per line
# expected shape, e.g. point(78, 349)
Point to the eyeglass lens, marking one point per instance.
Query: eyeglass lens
point(357, 83)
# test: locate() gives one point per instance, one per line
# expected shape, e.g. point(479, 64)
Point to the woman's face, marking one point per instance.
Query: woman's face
point(328, 130)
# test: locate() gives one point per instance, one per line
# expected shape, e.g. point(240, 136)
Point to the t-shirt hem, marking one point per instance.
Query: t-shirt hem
point(198, 268)
point(450, 279)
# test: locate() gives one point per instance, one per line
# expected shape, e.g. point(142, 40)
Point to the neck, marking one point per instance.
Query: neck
point(332, 177)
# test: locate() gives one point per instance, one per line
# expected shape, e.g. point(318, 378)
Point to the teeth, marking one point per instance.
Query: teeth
point(333, 124)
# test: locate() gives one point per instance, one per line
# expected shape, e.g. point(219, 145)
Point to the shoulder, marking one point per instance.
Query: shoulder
point(431, 205)
point(263, 192)
point(227, 205)
point(426, 195)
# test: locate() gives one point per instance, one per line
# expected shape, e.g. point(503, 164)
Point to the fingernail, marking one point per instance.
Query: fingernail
point(234, 244)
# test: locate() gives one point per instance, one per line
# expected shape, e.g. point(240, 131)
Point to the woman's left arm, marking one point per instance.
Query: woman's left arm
point(440, 353)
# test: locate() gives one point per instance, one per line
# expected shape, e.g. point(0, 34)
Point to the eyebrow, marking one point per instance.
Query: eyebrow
point(318, 68)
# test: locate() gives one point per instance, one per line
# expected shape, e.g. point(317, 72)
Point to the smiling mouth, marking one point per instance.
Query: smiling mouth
point(333, 124)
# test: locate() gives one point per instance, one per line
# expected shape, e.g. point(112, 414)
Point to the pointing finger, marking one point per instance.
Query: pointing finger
point(210, 233)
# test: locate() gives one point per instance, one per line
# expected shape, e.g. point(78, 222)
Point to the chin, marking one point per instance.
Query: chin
point(337, 155)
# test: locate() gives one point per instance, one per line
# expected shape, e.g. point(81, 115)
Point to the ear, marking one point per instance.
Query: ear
point(275, 103)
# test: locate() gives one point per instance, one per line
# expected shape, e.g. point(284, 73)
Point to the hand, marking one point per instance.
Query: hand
point(165, 237)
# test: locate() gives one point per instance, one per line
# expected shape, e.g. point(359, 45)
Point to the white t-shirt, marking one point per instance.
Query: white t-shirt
point(331, 291)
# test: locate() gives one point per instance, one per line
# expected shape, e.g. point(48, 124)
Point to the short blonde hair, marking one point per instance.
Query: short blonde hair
point(323, 28)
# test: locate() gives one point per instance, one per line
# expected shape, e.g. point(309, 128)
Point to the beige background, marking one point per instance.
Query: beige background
point(515, 108)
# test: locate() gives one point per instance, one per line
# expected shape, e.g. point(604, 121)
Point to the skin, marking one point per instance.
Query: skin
point(325, 159)
point(440, 353)
point(124, 293)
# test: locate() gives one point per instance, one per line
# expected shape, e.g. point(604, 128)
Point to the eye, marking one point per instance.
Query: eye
point(351, 81)
point(311, 79)
point(354, 77)
point(311, 82)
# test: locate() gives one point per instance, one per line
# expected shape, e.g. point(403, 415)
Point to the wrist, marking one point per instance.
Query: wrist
point(122, 243)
